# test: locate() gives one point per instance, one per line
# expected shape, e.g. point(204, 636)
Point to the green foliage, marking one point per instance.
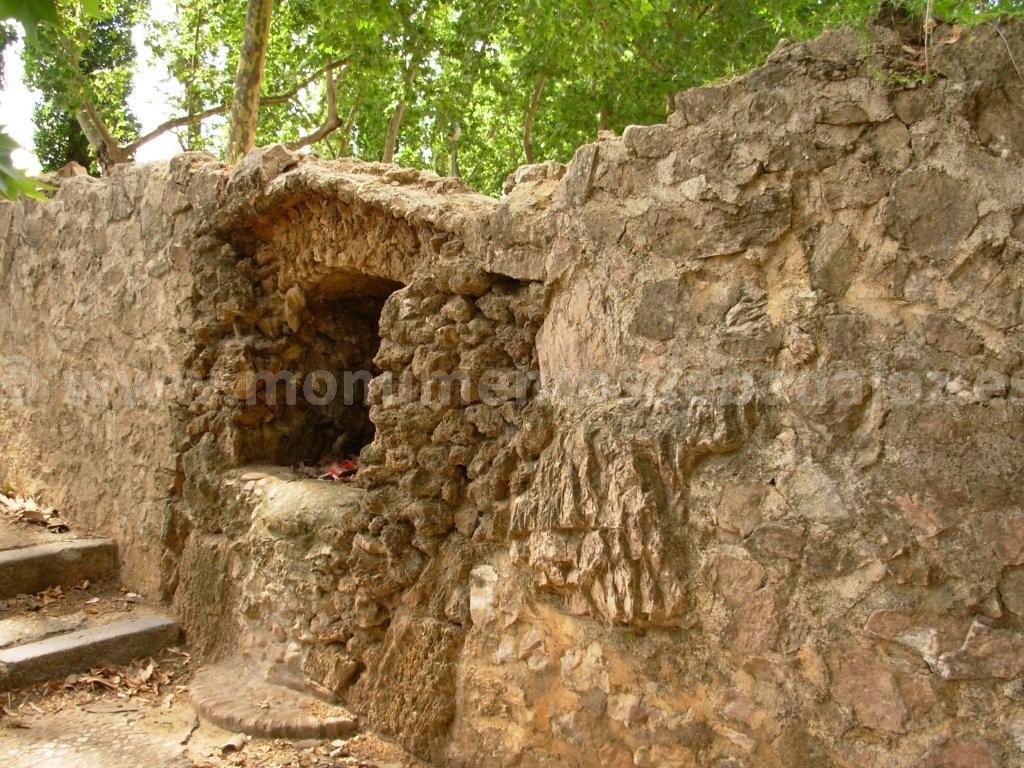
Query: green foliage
point(197, 48)
point(466, 72)
point(8, 35)
point(58, 138)
point(64, 23)
point(14, 183)
point(605, 64)
point(85, 56)
point(30, 14)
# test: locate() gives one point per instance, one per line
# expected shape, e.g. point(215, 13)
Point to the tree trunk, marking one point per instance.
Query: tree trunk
point(531, 113)
point(108, 151)
point(391, 142)
point(453, 143)
point(245, 104)
point(395, 124)
point(194, 137)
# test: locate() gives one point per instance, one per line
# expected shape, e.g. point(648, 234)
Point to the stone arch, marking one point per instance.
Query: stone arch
point(325, 246)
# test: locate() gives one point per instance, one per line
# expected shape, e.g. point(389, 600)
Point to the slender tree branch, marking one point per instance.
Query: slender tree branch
point(395, 123)
point(453, 143)
point(195, 133)
point(1008, 51)
point(331, 122)
point(346, 131)
point(278, 98)
point(176, 122)
point(651, 59)
point(286, 96)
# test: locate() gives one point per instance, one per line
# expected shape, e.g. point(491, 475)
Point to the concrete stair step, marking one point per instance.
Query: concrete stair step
point(55, 657)
point(57, 619)
point(18, 630)
point(13, 536)
point(235, 697)
point(28, 570)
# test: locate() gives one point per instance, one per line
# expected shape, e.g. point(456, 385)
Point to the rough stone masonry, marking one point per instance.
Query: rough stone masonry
point(705, 449)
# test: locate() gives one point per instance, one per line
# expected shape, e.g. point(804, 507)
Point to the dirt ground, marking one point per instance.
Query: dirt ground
point(139, 716)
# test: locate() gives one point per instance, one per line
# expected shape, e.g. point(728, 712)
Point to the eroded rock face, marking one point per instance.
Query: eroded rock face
point(703, 450)
point(781, 355)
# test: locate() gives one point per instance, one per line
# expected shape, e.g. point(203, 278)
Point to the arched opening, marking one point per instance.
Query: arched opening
point(317, 383)
point(323, 266)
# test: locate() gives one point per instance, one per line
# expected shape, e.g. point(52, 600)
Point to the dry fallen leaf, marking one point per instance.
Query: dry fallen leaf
point(186, 656)
point(26, 510)
point(146, 673)
point(36, 516)
point(108, 684)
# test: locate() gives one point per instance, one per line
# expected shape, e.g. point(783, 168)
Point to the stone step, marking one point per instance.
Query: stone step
point(57, 619)
point(13, 536)
point(27, 570)
point(27, 628)
point(235, 697)
point(117, 642)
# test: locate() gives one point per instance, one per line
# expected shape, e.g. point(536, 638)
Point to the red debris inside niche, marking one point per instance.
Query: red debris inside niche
point(334, 472)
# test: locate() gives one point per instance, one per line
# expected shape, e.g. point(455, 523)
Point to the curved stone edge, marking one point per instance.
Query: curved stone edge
point(224, 696)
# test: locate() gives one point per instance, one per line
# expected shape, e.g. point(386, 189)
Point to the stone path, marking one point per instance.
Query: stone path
point(94, 738)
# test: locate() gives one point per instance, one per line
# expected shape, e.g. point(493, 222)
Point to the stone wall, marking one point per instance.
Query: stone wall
point(703, 450)
point(95, 325)
point(778, 522)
